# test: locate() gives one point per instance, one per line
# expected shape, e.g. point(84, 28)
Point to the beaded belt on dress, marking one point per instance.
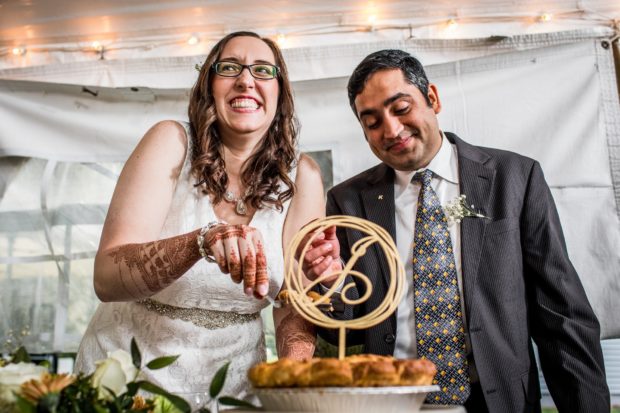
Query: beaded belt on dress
point(210, 319)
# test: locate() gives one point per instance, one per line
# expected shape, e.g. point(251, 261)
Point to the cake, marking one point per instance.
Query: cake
point(365, 370)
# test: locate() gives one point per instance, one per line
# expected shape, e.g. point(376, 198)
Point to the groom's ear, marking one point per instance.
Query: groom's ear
point(433, 98)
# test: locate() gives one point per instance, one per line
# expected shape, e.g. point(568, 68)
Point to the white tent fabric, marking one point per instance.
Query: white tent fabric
point(304, 63)
point(551, 97)
point(137, 29)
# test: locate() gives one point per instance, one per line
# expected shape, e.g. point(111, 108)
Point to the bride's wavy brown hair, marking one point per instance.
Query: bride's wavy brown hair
point(265, 173)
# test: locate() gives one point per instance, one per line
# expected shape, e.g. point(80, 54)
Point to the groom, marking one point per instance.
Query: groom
point(479, 290)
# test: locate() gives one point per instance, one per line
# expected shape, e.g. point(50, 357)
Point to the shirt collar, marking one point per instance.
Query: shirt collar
point(444, 165)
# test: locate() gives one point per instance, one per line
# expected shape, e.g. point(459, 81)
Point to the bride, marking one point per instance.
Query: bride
point(193, 240)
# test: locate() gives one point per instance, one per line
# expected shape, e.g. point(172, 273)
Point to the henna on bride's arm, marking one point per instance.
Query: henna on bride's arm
point(249, 268)
point(144, 269)
point(229, 231)
point(232, 265)
point(295, 337)
point(261, 264)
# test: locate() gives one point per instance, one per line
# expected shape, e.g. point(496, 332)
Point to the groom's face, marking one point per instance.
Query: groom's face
point(400, 126)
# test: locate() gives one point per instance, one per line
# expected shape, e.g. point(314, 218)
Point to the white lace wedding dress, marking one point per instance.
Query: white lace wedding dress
point(203, 316)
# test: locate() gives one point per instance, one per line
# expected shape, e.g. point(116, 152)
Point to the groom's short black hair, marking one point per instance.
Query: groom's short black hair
point(412, 70)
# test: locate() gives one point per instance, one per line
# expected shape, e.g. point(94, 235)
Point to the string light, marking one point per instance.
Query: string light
point(371, 11)
point(545, 17)
point(281, 40)
point(371, 22)
point(97, 46)
point(193, 40)
point(18, 51)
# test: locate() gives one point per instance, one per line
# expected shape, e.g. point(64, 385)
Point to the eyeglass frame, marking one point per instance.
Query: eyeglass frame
point(249, 67)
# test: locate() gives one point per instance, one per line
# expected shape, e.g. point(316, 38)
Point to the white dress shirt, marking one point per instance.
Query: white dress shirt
point(445, 183)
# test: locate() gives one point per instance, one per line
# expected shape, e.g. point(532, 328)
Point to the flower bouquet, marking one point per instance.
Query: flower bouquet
point(113, 387)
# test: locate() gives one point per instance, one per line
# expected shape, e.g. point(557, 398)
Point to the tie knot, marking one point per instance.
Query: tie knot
point(424, 177)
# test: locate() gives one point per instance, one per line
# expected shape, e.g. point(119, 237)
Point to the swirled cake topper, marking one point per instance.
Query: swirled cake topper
point(298, 286)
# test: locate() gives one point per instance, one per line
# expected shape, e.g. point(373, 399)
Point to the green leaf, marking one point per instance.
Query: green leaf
point(218, 381)
point(21, 356)
point(23, 405)
point(136, 357)
point(100, 409)
point(231, 401)
point(161, 362)
point(126, 402)
point(49, 403)
point(153, 388)
point(163, 405)
point(132, 389)
point(113, 407)
point(178, 402)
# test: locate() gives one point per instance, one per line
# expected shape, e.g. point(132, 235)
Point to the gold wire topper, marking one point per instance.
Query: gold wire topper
point(294, 276)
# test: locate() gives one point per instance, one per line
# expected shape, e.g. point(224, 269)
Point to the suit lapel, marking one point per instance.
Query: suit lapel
point(378, 201)
point(476, 183)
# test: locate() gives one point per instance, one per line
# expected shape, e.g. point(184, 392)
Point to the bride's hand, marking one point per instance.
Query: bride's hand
point(240, 251)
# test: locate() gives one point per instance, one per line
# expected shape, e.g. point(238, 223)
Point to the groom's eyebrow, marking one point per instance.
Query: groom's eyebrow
point(386, 103)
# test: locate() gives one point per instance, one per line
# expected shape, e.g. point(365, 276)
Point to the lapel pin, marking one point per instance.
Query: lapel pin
point(380, 197)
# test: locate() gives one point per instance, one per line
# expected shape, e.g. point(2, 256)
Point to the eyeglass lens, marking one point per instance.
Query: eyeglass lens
point(259, 71)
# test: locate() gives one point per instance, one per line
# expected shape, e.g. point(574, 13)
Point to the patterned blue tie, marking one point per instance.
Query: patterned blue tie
point(439, 324)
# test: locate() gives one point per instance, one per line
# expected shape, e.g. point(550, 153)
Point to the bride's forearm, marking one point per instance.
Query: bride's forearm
point(295, 336)
point(135, 271)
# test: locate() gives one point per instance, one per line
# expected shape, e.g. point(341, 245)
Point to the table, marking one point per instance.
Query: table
point(425, 408)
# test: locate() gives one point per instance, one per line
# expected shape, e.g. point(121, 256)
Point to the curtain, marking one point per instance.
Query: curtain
point(62, 145)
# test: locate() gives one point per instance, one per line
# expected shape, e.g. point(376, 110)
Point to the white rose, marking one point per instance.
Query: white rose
point(13, 375)
point(114, 373)
point(126, 364)
point(109, 376)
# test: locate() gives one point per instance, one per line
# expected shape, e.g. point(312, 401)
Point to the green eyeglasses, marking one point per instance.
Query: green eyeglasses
point(261, 71)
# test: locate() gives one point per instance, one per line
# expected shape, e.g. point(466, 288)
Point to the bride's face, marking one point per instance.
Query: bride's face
point(245, 106)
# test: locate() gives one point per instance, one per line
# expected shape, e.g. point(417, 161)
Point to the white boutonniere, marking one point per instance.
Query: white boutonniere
point(457, 209)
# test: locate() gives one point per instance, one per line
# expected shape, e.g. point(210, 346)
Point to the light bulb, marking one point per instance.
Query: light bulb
point(193, 39)
point(545, 17)
point(19, 51)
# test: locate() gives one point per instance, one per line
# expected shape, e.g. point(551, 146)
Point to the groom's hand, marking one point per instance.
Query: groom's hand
point(322, 258)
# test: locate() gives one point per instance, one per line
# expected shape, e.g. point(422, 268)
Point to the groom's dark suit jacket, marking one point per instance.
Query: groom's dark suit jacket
point(518, 283)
